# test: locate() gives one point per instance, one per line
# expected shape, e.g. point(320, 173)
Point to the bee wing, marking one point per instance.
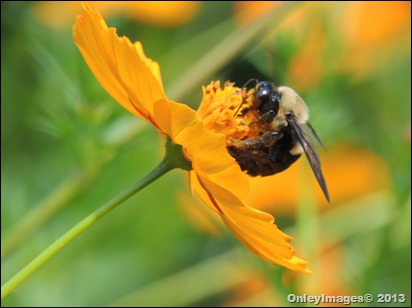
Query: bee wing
point(312, 130)
point(310, 152)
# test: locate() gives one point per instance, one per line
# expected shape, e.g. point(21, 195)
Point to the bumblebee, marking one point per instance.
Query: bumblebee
point(281, 118)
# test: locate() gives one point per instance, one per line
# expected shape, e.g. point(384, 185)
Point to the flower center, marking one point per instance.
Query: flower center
point(226, 111)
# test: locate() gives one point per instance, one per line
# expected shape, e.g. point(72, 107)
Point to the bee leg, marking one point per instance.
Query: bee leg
point(265, 141)
point(253, 154)
point(267, 117)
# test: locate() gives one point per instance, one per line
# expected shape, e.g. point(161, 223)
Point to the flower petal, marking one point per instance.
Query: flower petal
point(172, 118)
point(253, 228)
point(121, 67)
point(206, 150)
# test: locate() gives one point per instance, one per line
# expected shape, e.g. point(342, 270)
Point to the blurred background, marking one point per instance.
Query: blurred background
point(67, 147)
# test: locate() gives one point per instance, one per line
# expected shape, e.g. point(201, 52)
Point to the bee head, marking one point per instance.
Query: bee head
point(266, 98)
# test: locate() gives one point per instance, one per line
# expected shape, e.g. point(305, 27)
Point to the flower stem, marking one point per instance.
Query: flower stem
point(173, 159)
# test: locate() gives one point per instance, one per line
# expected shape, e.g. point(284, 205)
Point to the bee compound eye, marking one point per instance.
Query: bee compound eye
point(262, 92)
point(263, 84)
point(275, 102)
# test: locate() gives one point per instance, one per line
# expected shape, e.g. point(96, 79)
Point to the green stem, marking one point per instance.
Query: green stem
point(173, 159)
point(65, 192)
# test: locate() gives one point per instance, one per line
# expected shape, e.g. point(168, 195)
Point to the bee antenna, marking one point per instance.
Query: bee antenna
point(244, 86)
point(249, 81)
point(238, 109)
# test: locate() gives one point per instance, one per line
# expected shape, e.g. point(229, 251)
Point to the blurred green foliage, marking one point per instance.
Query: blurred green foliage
point(62, 134)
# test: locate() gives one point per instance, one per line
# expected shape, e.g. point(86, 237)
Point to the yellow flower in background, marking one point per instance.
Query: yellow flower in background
point(353, 172)
point(134, 81)
point(248, 11)
point(164, 13)
point(375, 33)
point(371, 35)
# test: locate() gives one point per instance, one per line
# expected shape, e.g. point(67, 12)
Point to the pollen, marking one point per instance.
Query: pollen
point(226, 110)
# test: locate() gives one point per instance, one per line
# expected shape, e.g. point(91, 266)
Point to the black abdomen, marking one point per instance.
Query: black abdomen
point(263, 156)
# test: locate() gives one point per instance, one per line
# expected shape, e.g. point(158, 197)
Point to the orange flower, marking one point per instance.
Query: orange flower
point(134, 81)
point(163, 13)
point(351, 172)
point(374, 33)
point(249, 11)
